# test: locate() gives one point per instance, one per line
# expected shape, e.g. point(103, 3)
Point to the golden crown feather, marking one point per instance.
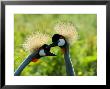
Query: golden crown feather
point(35, 41)
point(68, 30)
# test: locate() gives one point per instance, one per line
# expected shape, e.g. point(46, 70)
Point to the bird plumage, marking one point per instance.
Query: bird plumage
point(36, 45)
point(66, 35)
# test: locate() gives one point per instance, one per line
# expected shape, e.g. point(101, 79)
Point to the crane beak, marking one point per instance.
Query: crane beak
point(50, 54)
point(47, 50)
point(54, 44)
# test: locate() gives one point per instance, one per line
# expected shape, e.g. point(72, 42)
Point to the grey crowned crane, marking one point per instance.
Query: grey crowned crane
point(35, 44)
point(67, 34)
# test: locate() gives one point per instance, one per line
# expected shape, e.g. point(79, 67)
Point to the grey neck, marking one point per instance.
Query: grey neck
point(69, 66)
point(25, 63)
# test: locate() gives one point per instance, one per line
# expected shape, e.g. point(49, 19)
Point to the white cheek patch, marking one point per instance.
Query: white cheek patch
point(61, 42)
point(41, 52)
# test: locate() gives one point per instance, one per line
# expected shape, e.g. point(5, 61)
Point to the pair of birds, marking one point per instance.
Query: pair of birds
point(66, 33)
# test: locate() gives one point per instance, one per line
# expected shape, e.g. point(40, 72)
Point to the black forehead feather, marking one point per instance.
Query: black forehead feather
point(44, 46)
point(56, 37)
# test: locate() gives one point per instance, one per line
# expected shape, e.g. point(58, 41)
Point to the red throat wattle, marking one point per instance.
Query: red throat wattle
point(63, 50)
point(34, 60)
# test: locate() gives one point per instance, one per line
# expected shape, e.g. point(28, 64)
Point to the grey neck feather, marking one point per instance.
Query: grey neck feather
point(24, 64)
point(69, 66)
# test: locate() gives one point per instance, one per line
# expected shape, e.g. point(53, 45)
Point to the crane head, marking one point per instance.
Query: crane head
point(45, 51)
point(59, 40)
point(42, 52)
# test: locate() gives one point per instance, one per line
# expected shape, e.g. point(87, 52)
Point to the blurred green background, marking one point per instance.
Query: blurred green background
point(83, 52)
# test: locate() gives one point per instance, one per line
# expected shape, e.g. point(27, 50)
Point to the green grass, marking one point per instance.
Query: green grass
point(83, 52)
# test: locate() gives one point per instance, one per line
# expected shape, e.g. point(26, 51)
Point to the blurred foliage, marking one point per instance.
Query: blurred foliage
point(83, 52)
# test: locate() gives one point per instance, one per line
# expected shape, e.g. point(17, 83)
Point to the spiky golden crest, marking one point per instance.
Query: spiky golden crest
point(35, 41)
point(67, 30)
